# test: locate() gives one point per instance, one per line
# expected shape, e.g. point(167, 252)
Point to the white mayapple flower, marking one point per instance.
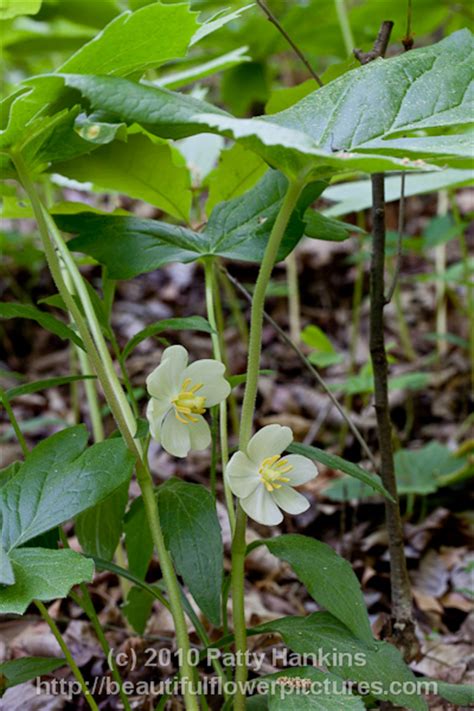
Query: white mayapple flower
point(264, 481)
point(180, 394)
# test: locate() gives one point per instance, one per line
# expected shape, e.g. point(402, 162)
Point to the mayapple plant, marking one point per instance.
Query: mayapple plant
point(95, 116)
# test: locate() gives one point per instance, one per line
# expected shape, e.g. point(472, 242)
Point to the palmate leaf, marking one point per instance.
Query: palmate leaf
point(238, 229)
point(341, 127)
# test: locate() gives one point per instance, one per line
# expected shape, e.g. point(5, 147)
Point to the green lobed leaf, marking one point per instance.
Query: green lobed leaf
point(140, 168)
point(333, 461)
point(99, 528)
point(328, 578)
point(17, 671)
point(193, 536)
point(187, 323)
point(136, 41)
point(330, 130)
point(237, 229)
point(57, 481)
point(50, 323)
point(42, 574)
point(378, 664)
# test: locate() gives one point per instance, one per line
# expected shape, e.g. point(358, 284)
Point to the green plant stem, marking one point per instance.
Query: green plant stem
point(239, 548)
point(88, 606)
point(92, 397)
point(67, 653)
point(293, 297)
point(14, 422)
point(256, 317)
point(345, 26)
point(246, 421)
point(216, 346)
point(118, 403)
point(174, 593)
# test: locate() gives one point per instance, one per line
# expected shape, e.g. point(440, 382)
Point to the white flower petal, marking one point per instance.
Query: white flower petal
point(160, 383)
point(303, 469)
point(242, 475)
point(210, 373)
point(177, 356)
point(175, 437)
point(261, 507)
point(270, 440)
point(155, 411)
point(290, 500)
point(199, 433)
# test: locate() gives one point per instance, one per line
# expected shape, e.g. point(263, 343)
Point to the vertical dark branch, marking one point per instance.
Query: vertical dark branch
point(403, 631)
point(400, 583)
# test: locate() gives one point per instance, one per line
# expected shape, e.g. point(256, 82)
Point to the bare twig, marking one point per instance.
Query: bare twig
point(309, 366)
point(274, 20)
point(407, 41)
point(403, 629)
point(380, 44)
point(401, 224)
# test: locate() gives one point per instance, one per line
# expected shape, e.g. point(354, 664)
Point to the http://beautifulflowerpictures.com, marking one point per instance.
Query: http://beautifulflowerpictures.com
point(264, 481)
point(180, 395)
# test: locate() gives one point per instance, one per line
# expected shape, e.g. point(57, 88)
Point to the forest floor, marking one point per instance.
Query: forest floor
point(436, 525)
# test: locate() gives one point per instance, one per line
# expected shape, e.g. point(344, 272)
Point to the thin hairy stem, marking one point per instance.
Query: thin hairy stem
point(246, 422)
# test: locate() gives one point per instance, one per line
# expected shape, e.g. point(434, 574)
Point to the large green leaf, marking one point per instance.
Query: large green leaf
point(328, 578)
point(42, 574)
point(57, 481)
point(333, 461)
point(140, 168)
point(134, 42)
point(341, 127)
point(17, 671)
point(378, 664)
point(238, 229)
point(192, 534)
point(49, 323)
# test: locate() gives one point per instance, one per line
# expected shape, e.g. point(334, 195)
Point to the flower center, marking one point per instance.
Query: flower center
point(187, 403)
point(271, 472)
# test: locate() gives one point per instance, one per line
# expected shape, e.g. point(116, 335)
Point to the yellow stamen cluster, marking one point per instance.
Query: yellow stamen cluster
point(187, 403)
point(271, 472)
